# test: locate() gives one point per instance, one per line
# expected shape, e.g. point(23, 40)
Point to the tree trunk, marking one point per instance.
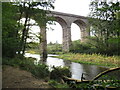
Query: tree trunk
point(105, 72)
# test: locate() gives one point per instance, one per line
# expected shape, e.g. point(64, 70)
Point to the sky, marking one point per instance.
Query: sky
point(77, 7)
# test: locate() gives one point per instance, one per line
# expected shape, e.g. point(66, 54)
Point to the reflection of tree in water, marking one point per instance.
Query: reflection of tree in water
point(67, 63)
point(77, 70)
point(90, 71)
point(42, 60)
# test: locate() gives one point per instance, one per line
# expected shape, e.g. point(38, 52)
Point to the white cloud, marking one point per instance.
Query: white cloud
point(79, 7)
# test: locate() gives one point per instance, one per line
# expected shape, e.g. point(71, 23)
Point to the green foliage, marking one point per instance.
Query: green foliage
point(107, 77)
point(40, 70)
point(106, 82)
point(100, 46)
point(54, 48)
point(56, 84)
point(32, 45)
point(78, 47)
point(9, 30)
point(58, 72)
point(83, 86)
point(33, 48)
point(12, 40)
point(99, 85)
point(105, 22)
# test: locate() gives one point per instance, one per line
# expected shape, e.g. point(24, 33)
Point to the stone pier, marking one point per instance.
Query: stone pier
point(43, 42)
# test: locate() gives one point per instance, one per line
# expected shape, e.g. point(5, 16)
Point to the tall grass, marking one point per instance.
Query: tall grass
point(98, 59)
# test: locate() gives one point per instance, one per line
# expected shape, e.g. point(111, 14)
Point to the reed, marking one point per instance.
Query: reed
point(97, 59)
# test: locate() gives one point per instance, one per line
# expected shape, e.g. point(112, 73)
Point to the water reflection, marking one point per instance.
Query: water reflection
point(37, 56)
point(76, 68)
point(92, 70)
point(54, 62)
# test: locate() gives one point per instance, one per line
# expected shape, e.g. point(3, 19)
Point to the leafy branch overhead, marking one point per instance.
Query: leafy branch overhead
point(105, 25)
point(14, 33)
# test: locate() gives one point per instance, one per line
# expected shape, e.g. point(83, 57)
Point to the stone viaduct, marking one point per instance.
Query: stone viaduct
point(65, 20)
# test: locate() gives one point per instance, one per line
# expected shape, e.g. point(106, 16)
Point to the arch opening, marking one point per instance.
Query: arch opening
point(75, 32)
point(54, 33)
point(62, 33)
point(83, 29)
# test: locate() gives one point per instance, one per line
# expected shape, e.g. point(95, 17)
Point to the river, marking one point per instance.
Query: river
point(76, 69)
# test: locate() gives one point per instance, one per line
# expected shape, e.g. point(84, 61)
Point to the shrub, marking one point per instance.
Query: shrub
point(108, 47)
point(58, 72)
point(53, 48)
point(40, 70)
point(78, 47)
point(55, 84)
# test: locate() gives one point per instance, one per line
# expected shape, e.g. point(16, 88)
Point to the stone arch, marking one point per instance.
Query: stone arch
point(83, 29)
point(66, 37)
point(61, 21)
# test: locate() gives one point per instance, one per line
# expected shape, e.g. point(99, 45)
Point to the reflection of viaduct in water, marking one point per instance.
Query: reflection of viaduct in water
point(65, 20)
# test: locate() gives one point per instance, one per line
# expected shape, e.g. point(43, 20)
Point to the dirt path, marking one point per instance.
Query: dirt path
point(15, 78)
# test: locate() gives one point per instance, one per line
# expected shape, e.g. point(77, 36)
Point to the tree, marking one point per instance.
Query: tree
point(105, 24)
point(13, 41)
point(30, 10)
point(9, 30)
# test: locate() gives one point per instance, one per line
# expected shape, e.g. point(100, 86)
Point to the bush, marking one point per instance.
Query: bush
point(78, 47)
point(40, 70)
point(58, 72)
point(53, 48)
point(108, 47)
point(55, 84)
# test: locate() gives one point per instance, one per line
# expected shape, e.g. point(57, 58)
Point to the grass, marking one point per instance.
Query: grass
point(97, 59)
point(33, 51)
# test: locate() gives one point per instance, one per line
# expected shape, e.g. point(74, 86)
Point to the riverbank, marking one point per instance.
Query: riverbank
point(95, 59)
point(21, 72)
point(14, 77)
